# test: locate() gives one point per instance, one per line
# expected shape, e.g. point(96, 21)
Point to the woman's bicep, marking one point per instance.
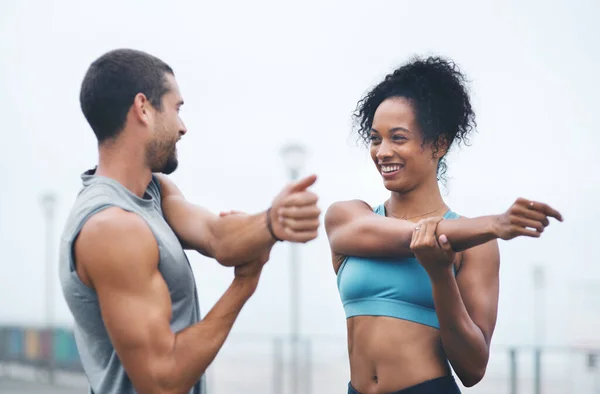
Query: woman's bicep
point(353, 229)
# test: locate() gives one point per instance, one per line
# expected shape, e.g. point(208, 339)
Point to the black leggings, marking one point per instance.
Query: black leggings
point(443, 385)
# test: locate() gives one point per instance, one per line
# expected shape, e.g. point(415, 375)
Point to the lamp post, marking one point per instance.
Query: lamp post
point(48, 201)
point(538, 285)
point(294, 157)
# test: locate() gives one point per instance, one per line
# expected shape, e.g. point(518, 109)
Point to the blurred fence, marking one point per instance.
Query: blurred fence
point(261, 364)
point(40, 348)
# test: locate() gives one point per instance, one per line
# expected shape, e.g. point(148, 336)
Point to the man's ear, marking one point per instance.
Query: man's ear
point(141, 108)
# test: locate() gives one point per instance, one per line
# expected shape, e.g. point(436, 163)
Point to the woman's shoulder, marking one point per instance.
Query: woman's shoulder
point(340, 209)
point(346, 210)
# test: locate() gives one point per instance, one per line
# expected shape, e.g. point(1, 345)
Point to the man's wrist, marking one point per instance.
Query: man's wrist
point(246, 284)
point(270, 226)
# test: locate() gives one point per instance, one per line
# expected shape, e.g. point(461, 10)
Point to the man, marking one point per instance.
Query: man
point(123, 270)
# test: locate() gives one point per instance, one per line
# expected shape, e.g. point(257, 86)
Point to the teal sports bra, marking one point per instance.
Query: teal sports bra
point(394, 287)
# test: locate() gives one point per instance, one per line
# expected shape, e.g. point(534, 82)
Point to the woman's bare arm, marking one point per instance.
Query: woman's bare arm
point(354, 229)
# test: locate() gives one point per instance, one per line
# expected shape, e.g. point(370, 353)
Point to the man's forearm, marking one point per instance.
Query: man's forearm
point(232, 240)
point(241, 238)
point(462, 340)
point(196, 347)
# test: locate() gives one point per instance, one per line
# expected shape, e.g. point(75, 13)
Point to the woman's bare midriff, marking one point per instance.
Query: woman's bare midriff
point(388, 354)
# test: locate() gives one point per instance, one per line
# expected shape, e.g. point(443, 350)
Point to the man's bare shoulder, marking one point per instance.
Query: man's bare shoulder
point(168, 188)
point(115, 242)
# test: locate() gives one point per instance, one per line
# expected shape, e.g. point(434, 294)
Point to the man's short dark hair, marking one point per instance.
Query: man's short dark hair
point(111, 84)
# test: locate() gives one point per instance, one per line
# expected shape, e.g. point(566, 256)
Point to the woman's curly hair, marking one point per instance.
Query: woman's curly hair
point(437, 91)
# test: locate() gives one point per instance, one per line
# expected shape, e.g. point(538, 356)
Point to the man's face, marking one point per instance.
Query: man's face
point(167, 129)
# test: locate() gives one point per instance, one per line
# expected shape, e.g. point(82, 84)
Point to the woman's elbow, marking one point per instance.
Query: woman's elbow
point(472, 377)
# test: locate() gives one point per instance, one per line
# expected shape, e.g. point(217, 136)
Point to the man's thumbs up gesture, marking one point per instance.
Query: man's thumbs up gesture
point(294, 215)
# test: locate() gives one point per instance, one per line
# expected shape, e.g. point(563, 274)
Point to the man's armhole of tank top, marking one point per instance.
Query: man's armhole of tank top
point(75, 236)
point(155, 191)
point(95, 211)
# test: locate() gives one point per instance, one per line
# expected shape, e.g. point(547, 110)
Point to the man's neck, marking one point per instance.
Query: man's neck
point(125, 166)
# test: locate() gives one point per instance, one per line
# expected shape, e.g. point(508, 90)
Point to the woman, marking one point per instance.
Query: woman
point(419, 283)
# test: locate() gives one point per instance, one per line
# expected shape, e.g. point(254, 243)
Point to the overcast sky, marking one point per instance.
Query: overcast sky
point(257, 74)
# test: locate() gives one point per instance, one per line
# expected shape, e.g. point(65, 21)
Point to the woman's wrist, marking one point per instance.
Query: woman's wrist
point(492, 227)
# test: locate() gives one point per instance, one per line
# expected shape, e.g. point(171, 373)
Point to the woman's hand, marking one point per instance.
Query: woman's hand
point(524, 217)
point(434, 253)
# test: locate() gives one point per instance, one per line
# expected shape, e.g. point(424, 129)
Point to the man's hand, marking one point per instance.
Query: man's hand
point(294, 214)
point(235, 238)
point(434, 253)
point(253, 269)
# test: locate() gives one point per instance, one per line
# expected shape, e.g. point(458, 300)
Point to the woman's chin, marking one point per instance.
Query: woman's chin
point(398, 185)
point(393, 185)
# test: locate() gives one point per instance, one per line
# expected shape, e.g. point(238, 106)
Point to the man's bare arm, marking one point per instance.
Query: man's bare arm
point(235, 239)
point(118, 256)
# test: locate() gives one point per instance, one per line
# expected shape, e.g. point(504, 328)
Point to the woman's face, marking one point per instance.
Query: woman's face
point(397, 149)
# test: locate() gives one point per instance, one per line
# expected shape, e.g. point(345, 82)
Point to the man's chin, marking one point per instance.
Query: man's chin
point(169, 167)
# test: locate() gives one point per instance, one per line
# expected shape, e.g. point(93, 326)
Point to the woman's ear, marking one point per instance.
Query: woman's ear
point(441, 147)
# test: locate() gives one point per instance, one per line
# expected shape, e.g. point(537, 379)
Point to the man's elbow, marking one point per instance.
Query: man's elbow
point(162, 389)
point(171, 389)
point(163, 381)
point(158, 388)
point(223, 255)
point(228, 262)
point(227, 259)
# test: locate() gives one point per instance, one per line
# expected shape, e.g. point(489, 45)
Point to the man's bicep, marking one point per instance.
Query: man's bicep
point(137, 318)
point(478, 280)
point(120, 256)
point(192, 224)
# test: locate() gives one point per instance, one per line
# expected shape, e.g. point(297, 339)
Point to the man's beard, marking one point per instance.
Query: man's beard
point(157, 161)
point(171, 164)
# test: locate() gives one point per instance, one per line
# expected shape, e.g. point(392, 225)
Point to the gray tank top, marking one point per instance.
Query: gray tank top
point(104, 371)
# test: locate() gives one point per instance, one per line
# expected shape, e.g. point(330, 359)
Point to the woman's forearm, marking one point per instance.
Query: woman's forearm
point(463, 341)
point(465, 233)
point(379, 236)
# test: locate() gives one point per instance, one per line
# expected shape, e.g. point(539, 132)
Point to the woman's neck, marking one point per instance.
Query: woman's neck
point(422, 202)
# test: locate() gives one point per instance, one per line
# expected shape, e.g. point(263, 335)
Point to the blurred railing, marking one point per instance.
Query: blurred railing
point(40, 348)
point(261, 364)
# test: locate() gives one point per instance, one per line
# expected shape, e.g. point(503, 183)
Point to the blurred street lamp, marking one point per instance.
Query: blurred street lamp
point(294, 158)
point(48, 201)
point(538, 286)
